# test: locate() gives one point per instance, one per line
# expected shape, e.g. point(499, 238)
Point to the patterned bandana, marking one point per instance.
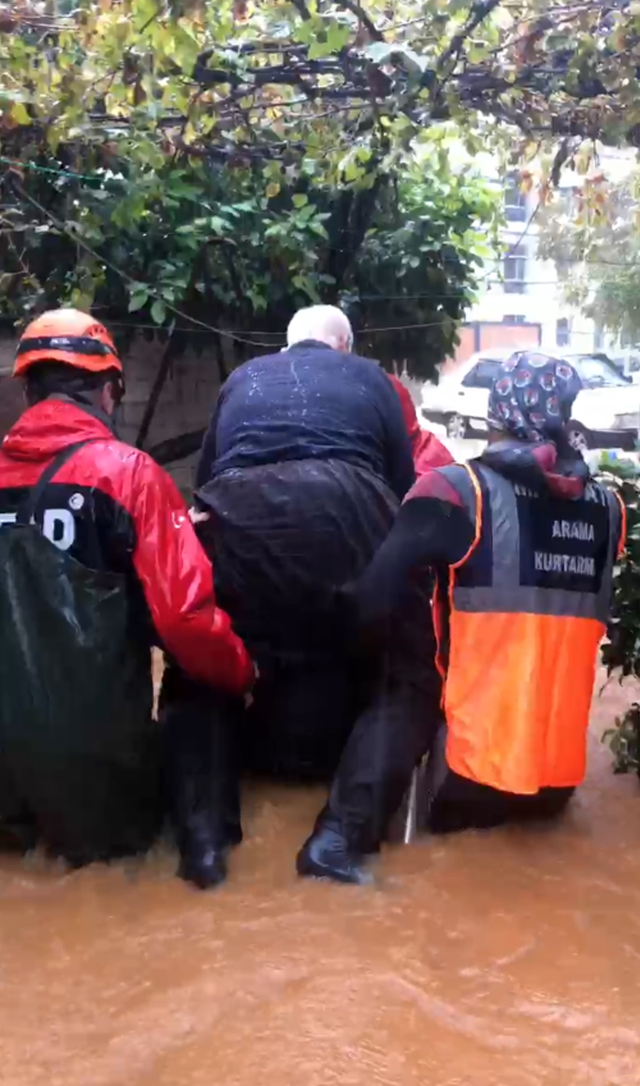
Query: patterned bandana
point(532, 397)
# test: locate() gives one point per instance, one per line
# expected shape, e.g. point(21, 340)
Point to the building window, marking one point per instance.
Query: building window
point(515, 201)
point(563, 332)
point(598, 338)
point(514, 318)
point(515, 271)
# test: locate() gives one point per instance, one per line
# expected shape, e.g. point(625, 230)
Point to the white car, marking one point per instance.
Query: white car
point(606, 413)
point(440, 402)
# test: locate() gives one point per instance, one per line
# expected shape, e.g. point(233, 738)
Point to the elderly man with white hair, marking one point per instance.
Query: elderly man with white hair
point(305, 463)
point(325, 322)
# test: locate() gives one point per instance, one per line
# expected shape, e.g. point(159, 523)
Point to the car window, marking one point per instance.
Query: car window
point(482, 375)
point(595, 372)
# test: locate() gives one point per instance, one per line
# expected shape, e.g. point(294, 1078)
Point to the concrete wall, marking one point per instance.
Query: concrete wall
point(187, 399)
point(186, 402)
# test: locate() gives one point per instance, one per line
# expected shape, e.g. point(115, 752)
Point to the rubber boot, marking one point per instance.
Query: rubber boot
point(202, 860)
point(203, 784)
point(329, 854)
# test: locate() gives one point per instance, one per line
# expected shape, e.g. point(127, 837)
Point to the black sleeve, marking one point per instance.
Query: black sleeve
point(399, 457)
point(427, 533)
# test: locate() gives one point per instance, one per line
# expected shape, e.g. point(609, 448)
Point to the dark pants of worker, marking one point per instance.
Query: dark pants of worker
point(452, 803)
point(365, 727)
point(362, 726)
point(200, 729)
point(393, 731)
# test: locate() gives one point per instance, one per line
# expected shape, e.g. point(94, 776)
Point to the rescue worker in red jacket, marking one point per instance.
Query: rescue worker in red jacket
point(523, 543)
point(109, 508)
point(428, 451)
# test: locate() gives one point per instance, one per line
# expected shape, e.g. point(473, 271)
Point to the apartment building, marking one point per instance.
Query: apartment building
point(523, 289)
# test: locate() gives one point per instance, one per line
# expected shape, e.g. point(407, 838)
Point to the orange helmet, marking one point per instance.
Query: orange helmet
point(66, 335)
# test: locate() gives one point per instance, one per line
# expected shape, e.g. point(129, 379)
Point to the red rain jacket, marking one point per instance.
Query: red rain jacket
point(113, 508)
point(428, 452)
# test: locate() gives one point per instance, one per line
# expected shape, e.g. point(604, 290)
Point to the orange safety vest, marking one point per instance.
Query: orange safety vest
point(528, 606)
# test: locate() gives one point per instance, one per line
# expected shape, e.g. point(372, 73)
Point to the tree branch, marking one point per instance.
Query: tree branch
point(177, 448)
point(536, 93)
point(156, 391)
point(302, 9)
point(355, 7)
point(479, 12)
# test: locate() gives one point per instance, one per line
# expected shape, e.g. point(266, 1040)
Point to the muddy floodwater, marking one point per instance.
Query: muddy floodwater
point(503, 959)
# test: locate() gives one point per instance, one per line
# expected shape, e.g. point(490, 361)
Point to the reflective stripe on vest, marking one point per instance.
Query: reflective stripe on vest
point(522, 656)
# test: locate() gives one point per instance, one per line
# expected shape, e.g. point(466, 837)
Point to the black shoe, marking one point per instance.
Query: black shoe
point(203, 854)
point(327, 855)
point(204, 866)
point(234, 835)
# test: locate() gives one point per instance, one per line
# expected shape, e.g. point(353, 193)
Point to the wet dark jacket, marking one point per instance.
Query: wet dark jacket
point(309, 403)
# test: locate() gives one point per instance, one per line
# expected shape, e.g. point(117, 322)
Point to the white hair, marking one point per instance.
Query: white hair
point(326, 323)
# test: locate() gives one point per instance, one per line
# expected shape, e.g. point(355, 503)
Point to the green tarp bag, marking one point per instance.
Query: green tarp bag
point(79, 751)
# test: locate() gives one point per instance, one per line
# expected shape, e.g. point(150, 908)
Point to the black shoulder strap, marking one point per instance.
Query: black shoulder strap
point(29, 507)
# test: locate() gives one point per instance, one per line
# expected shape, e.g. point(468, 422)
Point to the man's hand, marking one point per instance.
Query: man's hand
point(198, 516)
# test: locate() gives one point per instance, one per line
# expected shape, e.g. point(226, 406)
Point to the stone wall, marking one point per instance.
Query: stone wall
point(186, 402)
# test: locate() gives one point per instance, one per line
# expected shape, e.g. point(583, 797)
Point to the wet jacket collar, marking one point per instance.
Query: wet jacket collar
point(48, 427)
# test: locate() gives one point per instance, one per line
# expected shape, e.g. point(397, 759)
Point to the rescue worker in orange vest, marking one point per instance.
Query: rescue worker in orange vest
point(523, 543)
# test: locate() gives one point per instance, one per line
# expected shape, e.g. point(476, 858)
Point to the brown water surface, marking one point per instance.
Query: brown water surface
point(505, 959)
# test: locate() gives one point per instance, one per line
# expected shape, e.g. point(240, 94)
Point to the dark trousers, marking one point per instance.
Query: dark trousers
point(360, 727)
point(361, 720)
point(389, 738)
point(304, 726)
point(200, 732)
point(452, 803)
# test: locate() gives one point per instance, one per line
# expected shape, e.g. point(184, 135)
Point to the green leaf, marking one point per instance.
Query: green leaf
point(318, 229)
point(318, 49)
point(158, 311)
point(300, 199)
point(338, 34)
point(138, 298)
point(20, 113)
point(186, 49)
